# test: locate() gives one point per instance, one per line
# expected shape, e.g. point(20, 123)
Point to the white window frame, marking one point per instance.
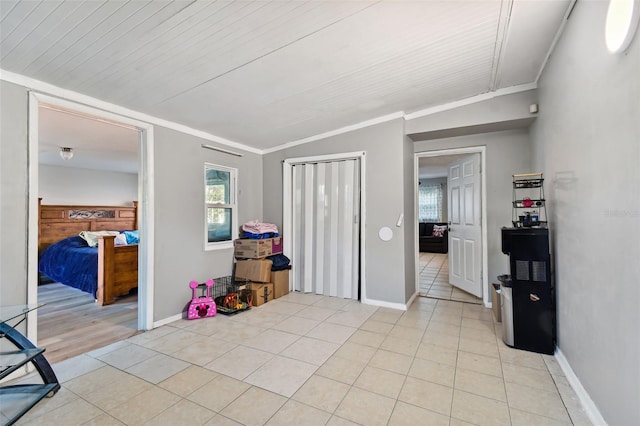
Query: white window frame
point(233, 199)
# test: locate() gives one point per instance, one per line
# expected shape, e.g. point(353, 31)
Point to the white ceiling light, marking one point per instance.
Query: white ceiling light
point(66, 153)
point(622, 21)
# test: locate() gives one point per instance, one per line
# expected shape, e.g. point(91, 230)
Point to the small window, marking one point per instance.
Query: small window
point(220, 206)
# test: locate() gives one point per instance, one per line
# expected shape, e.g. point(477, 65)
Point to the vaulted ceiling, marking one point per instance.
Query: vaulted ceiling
point(264, 73)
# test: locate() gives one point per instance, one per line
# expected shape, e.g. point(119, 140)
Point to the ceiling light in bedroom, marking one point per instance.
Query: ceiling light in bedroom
point(66, 153)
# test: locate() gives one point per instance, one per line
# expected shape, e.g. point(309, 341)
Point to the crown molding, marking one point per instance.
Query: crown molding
point(339, 131)
point(41, 86)
point(56, 91)
point(472, 100)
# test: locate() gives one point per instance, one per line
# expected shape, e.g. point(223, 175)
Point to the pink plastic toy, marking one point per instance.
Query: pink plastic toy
point(201, 307)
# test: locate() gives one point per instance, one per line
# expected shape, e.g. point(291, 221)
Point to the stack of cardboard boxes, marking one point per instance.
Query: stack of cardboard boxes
point(251, 264)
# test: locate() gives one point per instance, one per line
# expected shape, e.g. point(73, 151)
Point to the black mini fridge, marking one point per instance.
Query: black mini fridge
point(531, 305)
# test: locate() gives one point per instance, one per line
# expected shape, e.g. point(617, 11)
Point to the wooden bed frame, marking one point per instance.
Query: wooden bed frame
point(117, 265)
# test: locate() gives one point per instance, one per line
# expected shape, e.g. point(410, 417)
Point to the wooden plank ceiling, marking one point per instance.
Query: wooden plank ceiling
point(264, 73)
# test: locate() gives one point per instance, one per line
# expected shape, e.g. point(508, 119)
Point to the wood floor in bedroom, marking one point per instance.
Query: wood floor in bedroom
point(71, 323)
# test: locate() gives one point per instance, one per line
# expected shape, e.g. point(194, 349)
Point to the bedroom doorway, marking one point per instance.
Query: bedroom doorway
point(433, 257)
point(98, 177)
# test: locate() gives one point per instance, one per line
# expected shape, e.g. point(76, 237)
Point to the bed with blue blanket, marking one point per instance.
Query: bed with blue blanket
point(109, 269)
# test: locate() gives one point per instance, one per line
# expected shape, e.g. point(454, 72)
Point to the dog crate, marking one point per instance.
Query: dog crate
point(231, 295)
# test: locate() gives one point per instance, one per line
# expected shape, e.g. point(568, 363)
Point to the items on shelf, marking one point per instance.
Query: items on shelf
point(528, 205)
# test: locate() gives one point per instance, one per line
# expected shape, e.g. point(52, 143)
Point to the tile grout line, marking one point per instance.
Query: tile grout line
point(504, 379)
point(406, 376)
point(455, 371)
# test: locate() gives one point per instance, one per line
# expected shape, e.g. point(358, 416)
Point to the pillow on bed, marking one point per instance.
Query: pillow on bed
point(91, 237)
point(132, 237)
point(120, 240)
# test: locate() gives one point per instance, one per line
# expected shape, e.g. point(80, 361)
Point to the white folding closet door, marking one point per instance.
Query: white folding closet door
point(326, 211)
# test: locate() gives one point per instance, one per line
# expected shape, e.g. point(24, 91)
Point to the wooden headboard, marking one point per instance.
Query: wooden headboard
point(57, 222)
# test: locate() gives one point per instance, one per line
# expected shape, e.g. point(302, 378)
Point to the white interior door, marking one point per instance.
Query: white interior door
point(465, 227)
point(326, 229)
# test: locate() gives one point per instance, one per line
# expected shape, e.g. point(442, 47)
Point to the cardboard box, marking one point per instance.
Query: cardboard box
point(280, 281)
point(496, 304)
point(254, 270)
point(246, 248)
point(261, 293)
point(251, 249)
point(276, 245)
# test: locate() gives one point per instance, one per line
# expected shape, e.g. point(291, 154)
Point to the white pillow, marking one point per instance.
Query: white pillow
point(91, 237)
point(121, 240)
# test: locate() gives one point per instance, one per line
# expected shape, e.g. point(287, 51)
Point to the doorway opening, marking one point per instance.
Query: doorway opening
point(40, 106)
point(450, 195)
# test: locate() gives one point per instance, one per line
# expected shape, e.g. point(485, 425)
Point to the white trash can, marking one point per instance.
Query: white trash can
point(506, 299)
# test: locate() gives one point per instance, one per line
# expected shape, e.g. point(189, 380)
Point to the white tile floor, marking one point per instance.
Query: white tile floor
point(434, 279)
point(314, 360)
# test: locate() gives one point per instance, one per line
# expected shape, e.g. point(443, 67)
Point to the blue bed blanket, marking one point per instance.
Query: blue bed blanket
point(71, 262)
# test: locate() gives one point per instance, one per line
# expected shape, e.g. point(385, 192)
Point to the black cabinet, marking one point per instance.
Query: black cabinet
point(533, 308)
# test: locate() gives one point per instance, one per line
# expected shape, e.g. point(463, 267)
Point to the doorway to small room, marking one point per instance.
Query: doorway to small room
point(451, 237)
point(97, 186)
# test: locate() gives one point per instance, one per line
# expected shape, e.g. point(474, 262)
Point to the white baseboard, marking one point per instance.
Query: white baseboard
point(410, 301)
point(391, 305)
point(587, 403)
point(167, 320)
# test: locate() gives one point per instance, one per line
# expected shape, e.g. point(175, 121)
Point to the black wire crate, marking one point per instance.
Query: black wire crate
point(230, 295)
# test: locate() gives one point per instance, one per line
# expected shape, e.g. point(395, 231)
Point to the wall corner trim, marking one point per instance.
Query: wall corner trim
point(587, 403)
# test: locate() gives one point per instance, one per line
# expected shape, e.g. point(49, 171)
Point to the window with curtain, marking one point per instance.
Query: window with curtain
point(220, 206)
point(430, 203)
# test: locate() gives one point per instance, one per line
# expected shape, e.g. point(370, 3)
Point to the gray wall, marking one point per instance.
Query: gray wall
point(587, 143)
point(508, 152)
point(445, 198)
point(67, 185)
point(385, 178)
point(179, 210)
point(13, 194)
point(179, 215)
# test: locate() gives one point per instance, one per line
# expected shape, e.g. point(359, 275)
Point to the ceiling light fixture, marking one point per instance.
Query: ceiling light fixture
point(66, 153)
point(621, 25)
